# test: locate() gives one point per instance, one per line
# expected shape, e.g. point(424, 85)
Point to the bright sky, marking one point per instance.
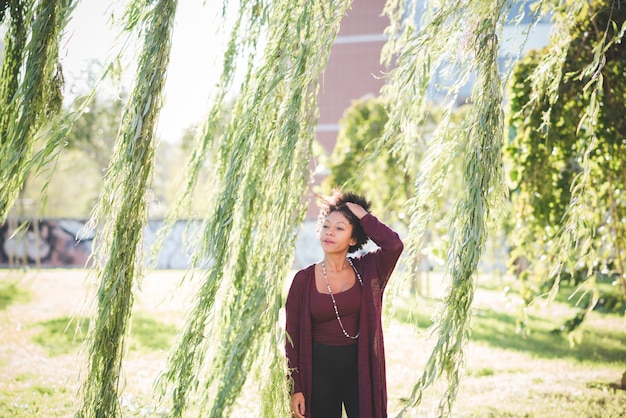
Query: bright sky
point(195, 58)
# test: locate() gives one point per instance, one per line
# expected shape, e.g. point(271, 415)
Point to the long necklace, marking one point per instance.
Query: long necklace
point(330, 292)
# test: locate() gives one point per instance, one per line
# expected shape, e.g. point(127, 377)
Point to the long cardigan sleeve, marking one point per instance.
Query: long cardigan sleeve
point(375, 268)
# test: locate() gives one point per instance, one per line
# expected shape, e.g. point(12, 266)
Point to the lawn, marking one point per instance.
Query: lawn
point(42, 324)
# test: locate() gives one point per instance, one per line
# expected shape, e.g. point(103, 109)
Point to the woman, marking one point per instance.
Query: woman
point(334, 342)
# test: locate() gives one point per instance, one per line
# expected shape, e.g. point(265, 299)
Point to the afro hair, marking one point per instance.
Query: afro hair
point(336, 202)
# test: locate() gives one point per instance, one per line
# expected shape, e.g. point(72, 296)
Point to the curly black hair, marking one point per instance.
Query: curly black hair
point(336, 202)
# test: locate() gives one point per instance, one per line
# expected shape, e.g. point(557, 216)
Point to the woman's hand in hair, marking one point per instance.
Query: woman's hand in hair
point(358, 210)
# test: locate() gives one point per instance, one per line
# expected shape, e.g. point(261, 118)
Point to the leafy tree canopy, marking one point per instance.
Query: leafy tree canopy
point(356, 163)
point(388, 176)
point(571, 151)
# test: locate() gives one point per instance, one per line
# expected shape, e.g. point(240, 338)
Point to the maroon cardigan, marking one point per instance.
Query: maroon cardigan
point(375, 268)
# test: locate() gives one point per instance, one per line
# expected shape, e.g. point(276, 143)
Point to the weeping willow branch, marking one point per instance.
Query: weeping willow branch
point(121, 213)
point(417, 56)
point(435, 46)
point(38, 94)
point(548, 76)
point(186, 361)
point(14, 52)
point(242, 47)
point(54, 130)
point(250, 238)
point(295, 84)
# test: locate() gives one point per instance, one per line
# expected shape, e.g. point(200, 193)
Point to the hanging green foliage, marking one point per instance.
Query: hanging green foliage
point(121, 214)
point(30, 86)
point(566, 171)
point(14, 51)
point(241, 51)
point(422, 54)
point(48, 134)
point(250, 235)
point(416, 57)
point(440, 45)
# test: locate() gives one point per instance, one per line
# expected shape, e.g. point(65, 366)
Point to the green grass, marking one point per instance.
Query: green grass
point(61, 335)
point(598, 343)
point(485, 371)
point(25, 377)
point(575, 293)
point(409, 314)
point(548, 404)
point(11, 293)
point(149, 334)
point(64, 335)
point(37, 401)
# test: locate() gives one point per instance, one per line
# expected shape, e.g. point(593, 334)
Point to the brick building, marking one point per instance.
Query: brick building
point(353, 71)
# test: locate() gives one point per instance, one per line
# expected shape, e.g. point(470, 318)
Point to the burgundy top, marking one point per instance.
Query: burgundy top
point(375, 268)
point(326, 328)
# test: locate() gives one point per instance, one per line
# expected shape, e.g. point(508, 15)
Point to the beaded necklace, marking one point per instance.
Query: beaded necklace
point(333, 297)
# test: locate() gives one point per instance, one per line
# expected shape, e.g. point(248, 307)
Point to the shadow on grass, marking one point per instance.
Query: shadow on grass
point(498, 329)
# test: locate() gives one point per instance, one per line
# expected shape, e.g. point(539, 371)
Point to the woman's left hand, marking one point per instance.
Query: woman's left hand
point(358, 210)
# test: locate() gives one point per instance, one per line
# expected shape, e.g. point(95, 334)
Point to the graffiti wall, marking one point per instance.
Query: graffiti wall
point(64, 243)
point(44, 243)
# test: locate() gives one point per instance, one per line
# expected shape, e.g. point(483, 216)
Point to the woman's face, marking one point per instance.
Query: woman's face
point(336, 233)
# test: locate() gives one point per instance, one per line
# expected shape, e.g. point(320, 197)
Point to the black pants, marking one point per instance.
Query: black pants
point(335, 381)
